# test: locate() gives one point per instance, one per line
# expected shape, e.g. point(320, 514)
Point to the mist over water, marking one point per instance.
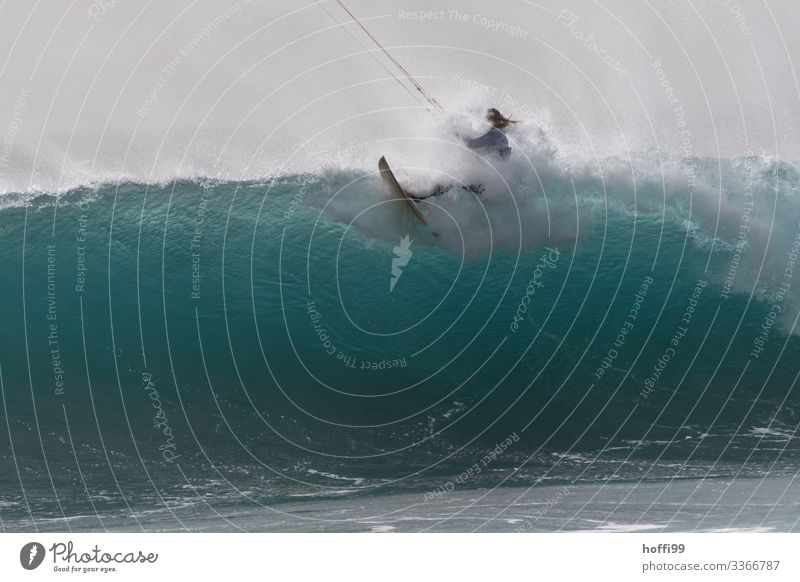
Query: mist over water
point(243, 89)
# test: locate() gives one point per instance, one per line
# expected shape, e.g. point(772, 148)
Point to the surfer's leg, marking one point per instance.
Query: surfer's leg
point(438, 191)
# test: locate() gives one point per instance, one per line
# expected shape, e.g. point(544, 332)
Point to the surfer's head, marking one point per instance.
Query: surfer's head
point(497, 119)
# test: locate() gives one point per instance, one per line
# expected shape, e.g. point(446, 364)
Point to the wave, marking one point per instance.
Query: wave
point(302, 335)
point(229, 273)
point(744, 205)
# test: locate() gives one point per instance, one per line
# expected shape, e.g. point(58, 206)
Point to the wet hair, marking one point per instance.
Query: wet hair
point(497, 119)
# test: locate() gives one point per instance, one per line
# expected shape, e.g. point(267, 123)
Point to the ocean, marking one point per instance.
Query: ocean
point(602, 348)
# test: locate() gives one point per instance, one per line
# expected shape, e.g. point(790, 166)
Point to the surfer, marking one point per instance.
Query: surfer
point(494, 140)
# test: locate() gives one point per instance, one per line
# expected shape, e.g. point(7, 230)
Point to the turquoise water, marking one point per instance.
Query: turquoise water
point(219, 343)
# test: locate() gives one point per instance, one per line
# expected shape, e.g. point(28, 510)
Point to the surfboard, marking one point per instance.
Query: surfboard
point(393, 185)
